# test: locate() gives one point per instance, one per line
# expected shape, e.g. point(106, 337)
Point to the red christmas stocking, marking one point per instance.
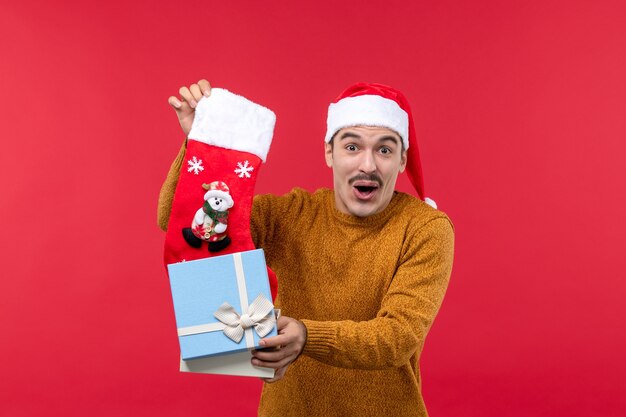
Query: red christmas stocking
point(229, 139)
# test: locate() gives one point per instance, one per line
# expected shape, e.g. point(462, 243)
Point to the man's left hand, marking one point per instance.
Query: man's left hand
point(282, 349)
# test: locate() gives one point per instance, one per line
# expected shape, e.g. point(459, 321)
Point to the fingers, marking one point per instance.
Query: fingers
point(290, 331)
point(278, 364)
point(195, 92)
point(185, 105)
point(276, 341)
point(284, 336)
point(278, 375)
point(174, 102)
point(282, 322)
point(186, 94)
point(205, 87)
point(291, 340)
point(183, 111)
point(275, 355)
point(276, 358)
point(190, 96)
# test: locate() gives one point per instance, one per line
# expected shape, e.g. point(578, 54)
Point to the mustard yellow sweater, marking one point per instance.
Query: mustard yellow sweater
point(367, 289)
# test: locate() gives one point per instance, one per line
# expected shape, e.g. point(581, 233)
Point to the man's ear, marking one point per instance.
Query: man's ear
point(328, 154)
point(403, 161)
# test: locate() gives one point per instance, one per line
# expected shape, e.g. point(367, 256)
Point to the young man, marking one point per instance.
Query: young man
point(362, 269)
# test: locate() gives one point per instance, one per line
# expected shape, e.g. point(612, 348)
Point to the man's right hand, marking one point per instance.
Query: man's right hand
point(185, 106)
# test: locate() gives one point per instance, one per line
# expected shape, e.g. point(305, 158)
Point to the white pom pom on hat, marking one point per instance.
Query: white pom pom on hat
point(370, 104)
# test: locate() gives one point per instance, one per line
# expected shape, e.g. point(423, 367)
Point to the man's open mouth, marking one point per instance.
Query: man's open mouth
point(365, 190)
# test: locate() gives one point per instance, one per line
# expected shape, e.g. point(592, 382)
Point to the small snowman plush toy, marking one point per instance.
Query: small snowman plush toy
point(210, 222)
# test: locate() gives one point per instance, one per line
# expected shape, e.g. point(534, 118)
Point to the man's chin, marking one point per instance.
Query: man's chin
point(358, 207)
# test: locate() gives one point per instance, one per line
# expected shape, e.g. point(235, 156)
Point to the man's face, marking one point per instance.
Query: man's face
point(366, 162)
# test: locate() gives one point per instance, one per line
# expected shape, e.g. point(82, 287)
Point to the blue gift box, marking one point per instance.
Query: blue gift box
point(201, 287)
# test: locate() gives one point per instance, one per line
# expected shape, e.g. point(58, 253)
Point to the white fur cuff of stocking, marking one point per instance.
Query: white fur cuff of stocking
point(233, 122)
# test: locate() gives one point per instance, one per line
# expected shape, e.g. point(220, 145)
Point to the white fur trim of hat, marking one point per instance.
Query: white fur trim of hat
point(233, 122)
point(367, 110)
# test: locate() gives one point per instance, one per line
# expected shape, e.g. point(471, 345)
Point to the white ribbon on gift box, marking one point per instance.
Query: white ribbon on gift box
point(258, 315)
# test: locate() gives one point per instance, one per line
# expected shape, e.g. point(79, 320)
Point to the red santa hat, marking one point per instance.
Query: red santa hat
point(365, 104)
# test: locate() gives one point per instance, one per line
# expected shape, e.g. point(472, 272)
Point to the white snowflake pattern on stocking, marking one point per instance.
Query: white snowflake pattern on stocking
point(195, 165)
point(244, 170)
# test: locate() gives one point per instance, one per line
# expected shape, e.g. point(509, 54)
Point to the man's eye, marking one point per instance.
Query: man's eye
point(385, 150)
point(351, 147)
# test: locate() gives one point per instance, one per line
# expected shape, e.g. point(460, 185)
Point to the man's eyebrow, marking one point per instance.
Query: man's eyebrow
point(346, 135)
point(386, 138)
point(389, 138)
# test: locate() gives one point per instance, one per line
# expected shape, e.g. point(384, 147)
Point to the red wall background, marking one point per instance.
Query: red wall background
point(520, 108)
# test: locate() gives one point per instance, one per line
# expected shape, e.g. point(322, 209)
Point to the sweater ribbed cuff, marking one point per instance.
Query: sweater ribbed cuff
point(321, 336)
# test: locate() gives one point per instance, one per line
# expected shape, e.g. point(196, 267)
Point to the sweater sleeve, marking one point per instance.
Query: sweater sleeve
point(261, 223)
point(268, 218)
point(166, 195)
point(406, 312)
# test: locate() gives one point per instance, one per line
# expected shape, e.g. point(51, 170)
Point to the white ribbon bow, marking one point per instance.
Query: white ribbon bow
point(259, 316)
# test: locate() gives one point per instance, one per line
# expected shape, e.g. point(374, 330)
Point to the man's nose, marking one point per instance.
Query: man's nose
point(367, 162)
